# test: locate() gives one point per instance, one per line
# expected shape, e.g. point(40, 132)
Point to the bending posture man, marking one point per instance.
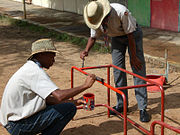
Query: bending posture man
point(114, 20)
point(32, 103)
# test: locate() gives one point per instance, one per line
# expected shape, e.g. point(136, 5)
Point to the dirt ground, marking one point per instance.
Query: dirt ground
point(15, 46)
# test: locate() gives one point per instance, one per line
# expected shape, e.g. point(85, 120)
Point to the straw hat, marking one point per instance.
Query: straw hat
point(95, 12)
point(42, 45)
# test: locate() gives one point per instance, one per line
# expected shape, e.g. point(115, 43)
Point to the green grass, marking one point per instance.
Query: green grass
point(5, 20)
point(64, 37)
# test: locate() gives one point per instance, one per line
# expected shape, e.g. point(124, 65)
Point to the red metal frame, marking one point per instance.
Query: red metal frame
point(151, 83)
point(175, 129)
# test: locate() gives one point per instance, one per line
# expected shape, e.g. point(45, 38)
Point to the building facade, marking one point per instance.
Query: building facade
point(162, 14)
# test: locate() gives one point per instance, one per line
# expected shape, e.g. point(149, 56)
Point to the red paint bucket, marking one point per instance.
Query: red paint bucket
point(89, 98)
point(155, 78)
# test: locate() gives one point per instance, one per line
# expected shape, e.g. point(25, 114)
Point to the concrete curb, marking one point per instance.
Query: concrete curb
point(156, 61)
point(160, 62)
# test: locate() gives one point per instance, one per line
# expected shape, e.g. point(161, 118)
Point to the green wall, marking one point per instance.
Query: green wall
point(123, 2)
point(140, 9)
point(179, 19)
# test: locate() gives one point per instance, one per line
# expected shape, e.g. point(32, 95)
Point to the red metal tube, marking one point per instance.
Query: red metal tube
point(133, 74)
point(162, 109)
point(95, 67)
point(152, 82)
point(131, 121)
point(72, 77)
point(116, 90)
point(177, 130)
point(136, 86)
point(124, 98)
point(108, 89)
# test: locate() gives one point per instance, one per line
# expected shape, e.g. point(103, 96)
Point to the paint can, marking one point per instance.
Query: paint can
point(89, 98)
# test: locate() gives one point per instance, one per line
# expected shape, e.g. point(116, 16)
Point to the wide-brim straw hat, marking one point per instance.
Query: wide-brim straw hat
point(42, 45)
point(95, 12)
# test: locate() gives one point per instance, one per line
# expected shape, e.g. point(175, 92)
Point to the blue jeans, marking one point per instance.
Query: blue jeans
point(119, 46)
point(50, 121)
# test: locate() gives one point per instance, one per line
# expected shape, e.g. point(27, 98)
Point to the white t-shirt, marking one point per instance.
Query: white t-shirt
point(120, 22)
point(25, 93)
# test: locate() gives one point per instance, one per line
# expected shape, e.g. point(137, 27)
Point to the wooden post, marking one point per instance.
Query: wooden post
point(166, 65)
point(24, 8)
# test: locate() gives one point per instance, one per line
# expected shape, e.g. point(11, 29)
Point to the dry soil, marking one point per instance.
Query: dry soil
point(15, 46)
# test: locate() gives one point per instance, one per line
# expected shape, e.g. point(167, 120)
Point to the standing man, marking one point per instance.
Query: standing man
point(32, 103)
point(115, 20)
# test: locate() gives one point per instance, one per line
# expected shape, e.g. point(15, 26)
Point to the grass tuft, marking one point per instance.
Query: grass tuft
point(63, 37)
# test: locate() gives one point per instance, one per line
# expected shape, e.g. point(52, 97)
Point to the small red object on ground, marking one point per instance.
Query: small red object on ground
point(155, 78)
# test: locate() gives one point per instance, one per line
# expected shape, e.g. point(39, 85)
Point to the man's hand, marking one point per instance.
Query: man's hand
point(90, 80)
point(83, 54)
point(89, 45)
point(80, 101)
